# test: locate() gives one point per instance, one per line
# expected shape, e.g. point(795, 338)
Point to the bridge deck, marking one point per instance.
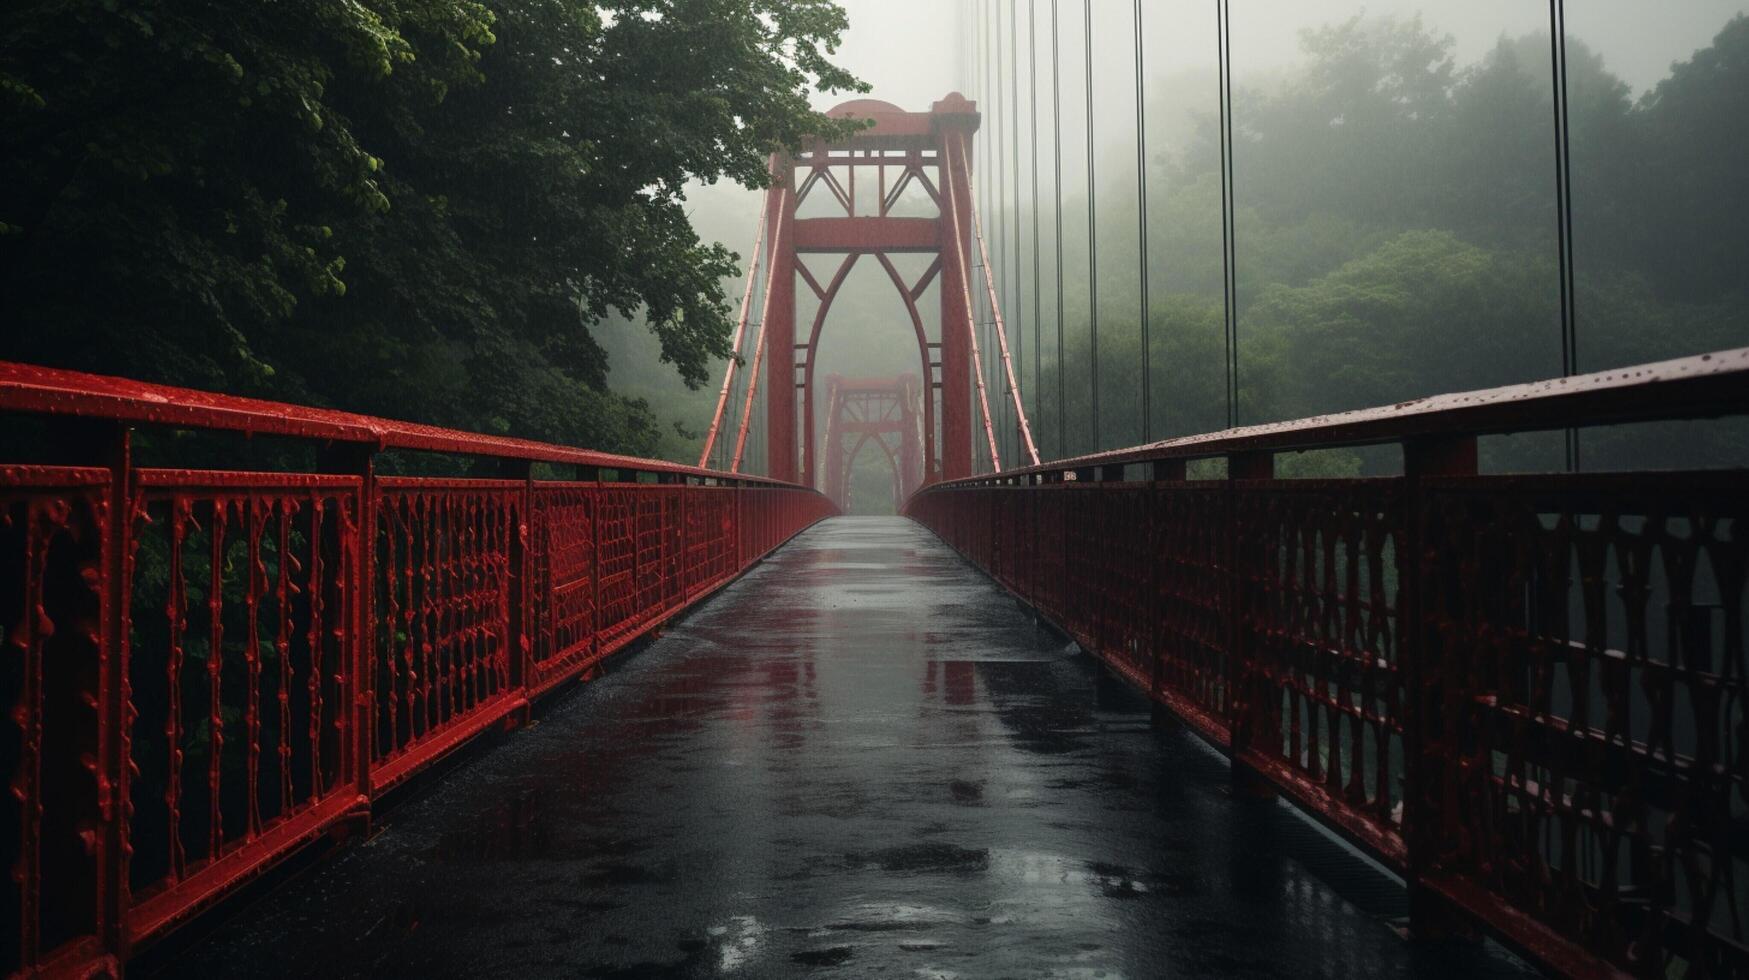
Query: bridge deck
point(861, 756)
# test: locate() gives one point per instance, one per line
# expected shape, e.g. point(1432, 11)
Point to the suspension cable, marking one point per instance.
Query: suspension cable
point(759, 345)
point(1142, 228)
point(725, 446)
point(1057, 156)
point(710, 438)
point(1564, 207)
point(959, 236)
point(1229, 278)
point(1092, 224)
point(1032, 165)
point(1025, 429)
point(747, 404)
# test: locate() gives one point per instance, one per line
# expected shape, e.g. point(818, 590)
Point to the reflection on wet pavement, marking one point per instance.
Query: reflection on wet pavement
point(864, 760)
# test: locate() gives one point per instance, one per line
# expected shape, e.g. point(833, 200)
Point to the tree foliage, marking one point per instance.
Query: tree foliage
point(423, 208)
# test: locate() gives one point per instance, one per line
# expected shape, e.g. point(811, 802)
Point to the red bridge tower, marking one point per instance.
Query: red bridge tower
point(885, 411)
point(933, 149)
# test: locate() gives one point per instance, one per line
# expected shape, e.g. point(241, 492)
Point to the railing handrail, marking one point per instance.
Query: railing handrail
point(34, 389)
point(1707, 385)
point(418, 612)
point(1500, 686)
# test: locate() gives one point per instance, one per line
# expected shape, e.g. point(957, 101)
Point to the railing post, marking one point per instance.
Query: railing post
point(597, 505)
point(677, 567)
point(1173, 470)
point(109, 446)
point(990, 497)
point(1160, 471)
point(518, 631)
point(1062, 610)
point(737, 523)
point(1032, 522)
point(1241, 712)
point(683, 569)
point(637, 532)
point(1425, 746)
point(358, 459)
point(1083, 475)
point(115, 443)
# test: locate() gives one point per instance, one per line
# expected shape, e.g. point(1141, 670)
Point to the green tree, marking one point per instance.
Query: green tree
point(414, 207)
point(1687, 200)
point(1380, 328)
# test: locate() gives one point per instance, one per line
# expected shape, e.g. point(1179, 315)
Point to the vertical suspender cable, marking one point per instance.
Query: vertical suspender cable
point(1057, 155)
point(993, 88)
point(1032, 160)
point(992, 74)
point(1564, 206)
point(1005, 369)
point(986, 197)
point(1229, 278)
point(990, 195)
point(982, 138)
point(1014, 307)
point(725, 444)
point(1142, 230)
point(966, 46)
point(1092, 226)
point(999, 167)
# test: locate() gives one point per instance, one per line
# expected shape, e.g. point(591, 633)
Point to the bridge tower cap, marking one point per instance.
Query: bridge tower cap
point(955, 110)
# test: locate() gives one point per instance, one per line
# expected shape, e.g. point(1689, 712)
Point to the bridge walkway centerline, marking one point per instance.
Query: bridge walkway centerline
point(861, 759)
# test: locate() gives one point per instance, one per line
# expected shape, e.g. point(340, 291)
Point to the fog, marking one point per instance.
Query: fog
point(1395, 208)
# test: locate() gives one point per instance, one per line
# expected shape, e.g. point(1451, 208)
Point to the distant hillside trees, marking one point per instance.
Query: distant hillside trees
point(1396, 236)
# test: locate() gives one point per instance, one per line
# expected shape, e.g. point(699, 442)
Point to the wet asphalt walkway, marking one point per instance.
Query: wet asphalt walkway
point(862, 759)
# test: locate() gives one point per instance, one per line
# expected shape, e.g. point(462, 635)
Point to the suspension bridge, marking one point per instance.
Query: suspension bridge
point(1147, 711)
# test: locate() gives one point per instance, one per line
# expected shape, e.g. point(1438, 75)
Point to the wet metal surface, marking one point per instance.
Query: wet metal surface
point(863, 760)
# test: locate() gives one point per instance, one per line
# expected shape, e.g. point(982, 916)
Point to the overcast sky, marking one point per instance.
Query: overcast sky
point(908, 49)
point(915, 51)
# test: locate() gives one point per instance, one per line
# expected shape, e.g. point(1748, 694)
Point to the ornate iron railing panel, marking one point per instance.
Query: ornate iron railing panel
point(1317, 687)
point(1586, 640)
point(448, 544)
point(55, 532)
point(562, 567)
point(240, 592)
point(206, 669)
point(1527, 694)
point(1190, 566)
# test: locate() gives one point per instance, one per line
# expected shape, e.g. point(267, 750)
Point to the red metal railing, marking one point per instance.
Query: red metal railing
point(207, 669)
point(1527, 694)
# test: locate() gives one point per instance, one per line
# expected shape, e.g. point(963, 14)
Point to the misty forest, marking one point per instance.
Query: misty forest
point(1396, 233)
point(488, 215)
